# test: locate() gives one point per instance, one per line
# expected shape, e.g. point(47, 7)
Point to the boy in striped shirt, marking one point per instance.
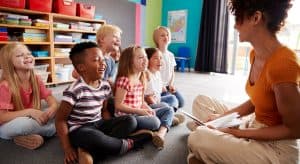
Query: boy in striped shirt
point(83, 121)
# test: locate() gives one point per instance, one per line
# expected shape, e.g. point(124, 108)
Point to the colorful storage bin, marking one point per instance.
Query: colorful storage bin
point(40, 53)
point(13, 3)
point(67, 7)
point(40, 5)
point(85, 10)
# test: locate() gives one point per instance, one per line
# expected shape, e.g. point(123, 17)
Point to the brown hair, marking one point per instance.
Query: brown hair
point(126, 63)
point(10, 75)
point(274, 11)
point(151, 51)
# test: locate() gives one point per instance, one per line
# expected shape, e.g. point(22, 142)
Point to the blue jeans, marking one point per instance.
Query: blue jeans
point(26, 126)
point(178, 96)
point(170, 99)
point(147, 122)
point(165, 113)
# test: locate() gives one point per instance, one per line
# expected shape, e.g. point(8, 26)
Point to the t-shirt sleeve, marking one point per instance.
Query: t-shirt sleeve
point(123, 83)
point(172, 59)
point(285, 68)
point(107, 89)
point(113, 68)
point(5, 100)
point(149, 88)
point(69, 96)
point(44, 92)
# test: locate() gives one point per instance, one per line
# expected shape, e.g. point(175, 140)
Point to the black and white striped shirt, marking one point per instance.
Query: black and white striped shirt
point(87, 102)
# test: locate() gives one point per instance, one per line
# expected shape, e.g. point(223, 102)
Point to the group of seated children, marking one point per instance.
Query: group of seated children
point(143, 105)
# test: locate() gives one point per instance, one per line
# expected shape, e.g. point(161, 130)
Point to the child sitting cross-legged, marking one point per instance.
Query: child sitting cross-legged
point(21, 92)
point(82, 120)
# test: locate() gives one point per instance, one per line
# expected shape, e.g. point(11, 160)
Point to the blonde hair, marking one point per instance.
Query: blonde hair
point(106, 29)
point(126, 63)
point(156, 34)
point(13, 80)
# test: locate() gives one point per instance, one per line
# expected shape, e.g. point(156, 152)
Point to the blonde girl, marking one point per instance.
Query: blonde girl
point(21, 91)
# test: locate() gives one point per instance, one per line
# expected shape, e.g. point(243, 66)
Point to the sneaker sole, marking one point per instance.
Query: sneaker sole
point(142, 131)
point(31, 142)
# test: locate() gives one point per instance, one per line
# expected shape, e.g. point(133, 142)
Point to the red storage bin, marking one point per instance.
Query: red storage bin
point(85, 10)
point(40, 5)
point(13, 3)
point(67, 7)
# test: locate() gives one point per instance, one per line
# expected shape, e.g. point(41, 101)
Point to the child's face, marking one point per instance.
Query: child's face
point(155, 62)
point(22, 58)
point(112, 41)
point(94, 64)
point(163, 37)
point(116, 55)
point(140, 61)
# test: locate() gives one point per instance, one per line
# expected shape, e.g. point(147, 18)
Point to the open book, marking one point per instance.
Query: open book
point(229, 120)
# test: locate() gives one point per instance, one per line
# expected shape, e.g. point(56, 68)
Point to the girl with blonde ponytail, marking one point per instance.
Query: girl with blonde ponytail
point(21, 91)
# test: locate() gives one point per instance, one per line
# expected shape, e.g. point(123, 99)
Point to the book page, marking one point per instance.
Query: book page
point(229, 120)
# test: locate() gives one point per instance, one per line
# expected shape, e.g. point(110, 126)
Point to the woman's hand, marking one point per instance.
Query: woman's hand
point(70, 155)
point(233, 131)
point(212, 117)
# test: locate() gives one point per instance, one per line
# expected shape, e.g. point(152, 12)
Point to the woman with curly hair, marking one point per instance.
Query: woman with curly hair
point(273, 90)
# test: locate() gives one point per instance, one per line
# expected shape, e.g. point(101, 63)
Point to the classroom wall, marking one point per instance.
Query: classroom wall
point(194, 8)
point(152, 20)
point(117, 12)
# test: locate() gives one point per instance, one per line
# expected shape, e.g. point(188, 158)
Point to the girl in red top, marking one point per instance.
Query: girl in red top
point(21, 91)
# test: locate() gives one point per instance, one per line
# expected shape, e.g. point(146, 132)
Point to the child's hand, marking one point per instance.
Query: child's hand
point(70, 156)
point(37, 115)
point(172, 89)
point(150, 112)
point(50, 112)
point(164, 89)
point(144, 112)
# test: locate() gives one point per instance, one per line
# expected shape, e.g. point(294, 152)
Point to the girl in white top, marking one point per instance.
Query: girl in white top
point(162, 110)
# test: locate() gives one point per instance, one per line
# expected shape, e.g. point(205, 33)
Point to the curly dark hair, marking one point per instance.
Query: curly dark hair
point(274, 11)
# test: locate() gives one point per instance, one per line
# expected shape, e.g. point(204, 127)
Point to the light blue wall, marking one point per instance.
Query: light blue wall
point(194, 8)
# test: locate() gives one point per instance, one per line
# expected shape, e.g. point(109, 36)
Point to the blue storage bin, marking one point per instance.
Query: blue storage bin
point(40, 53)
point(3, 29)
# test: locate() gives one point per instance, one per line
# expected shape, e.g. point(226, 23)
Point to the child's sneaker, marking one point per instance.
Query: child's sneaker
point(32, 141)
point(158, 141)
point(178, 119)
point(142, 131)
point(84, 157)
point(140, 139)
point(191, 125)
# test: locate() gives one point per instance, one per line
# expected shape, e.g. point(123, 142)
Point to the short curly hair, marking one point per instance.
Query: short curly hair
point(274, 11)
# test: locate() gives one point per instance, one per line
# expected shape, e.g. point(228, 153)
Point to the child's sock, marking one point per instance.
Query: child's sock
point(127, 144)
